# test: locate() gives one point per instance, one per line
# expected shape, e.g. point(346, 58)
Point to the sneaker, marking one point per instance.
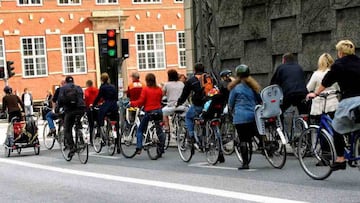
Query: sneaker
point(244, 167)
point(338, 166)
point(138, 151)
point(221, 158)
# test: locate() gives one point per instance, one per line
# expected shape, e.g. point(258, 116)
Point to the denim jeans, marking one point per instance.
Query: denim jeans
point(50, 117)
point(143, 126)
point(189, 118)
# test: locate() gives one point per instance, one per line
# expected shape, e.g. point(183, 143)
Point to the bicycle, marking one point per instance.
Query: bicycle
point(268, 122)
point(151, 138)
point(228, 132)
point(50, 138)
point(106, 135)
point(317, 151)
point(81, 145)
point(294, 124)
point(177, 121)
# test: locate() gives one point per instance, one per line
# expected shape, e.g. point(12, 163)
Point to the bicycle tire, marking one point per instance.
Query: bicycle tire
point(183, 141)
point(316, 147)
point(128, 140)
point(357, 150)
point(228, 134)
point(249, 145)
point(111, 147)
point(64, 149)
point(49, 140)
point(299, 126)
point(274, 149)
point(214, 146)
point(152, 147)
point(36, 146)
point(82, 148)
point(97, 139)
point(167, 140)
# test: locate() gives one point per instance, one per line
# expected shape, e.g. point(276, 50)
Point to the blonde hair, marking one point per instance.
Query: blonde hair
point(346, 47)
point(104, 77)
point(249, 81)
point(325, 61)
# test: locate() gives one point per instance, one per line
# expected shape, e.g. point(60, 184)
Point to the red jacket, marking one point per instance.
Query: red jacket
point(150, 98)
point(134, 90)
point(90, 95)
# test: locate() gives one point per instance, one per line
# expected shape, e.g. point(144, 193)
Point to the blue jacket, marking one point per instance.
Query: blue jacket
point(242, 103)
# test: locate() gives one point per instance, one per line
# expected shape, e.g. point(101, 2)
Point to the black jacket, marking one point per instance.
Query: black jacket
point(192, 85)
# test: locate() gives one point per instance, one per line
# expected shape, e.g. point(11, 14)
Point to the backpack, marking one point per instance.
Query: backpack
point(71, 97)
point(206, 82)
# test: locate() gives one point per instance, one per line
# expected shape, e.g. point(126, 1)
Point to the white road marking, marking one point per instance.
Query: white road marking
point(161, 184)
point(206, 165)
point(103, 156)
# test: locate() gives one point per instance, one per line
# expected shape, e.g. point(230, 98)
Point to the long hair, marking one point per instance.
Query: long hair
point(150, 80)
point(325, 61)
point(249, 81)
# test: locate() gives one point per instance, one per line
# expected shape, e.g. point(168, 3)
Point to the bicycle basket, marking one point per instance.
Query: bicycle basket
point(131, 114)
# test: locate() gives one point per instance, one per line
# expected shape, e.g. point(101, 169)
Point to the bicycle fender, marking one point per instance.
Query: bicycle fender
point(282, 136)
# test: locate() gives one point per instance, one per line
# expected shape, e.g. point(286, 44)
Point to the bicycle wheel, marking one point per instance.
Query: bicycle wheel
point(184, 144)
point(228, 135)
point(152, 145)
point(214, 146)
point(238, 151)
point(63, 146)
point(48, 138)
point(274, 149)
point(128, 140)
point(316, 153)
point(36, 146)
point(97, 139)
point(357, 150)
point(299, 126)
point(110, 140)
point(167, 139)
point(82, 148)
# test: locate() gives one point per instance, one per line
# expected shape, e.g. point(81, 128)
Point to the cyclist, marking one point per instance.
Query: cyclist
point(52, 115)
point(90, 94)
point(244, 96)
point(71, 98)
point(150, 99)
point(226, 79)
point(135, 87)
point(346, 72)
point(11, 102)
point(291, 78)
point(172, 90)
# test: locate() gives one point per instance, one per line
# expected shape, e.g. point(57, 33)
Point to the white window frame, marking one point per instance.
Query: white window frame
point(180, 49)
point(34, 57)
point(29, 3)
point(151, 2)
point(154, 51)
point(2, 53)
point(107, 2)
point(70, 3)
point(64, 55)
point(178, 1)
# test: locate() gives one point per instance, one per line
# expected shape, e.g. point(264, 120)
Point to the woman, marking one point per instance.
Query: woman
point(317, 106)
point(172, 90)
point(346, 72)
point(244, 94)
point(150, 99)
point(12, 104)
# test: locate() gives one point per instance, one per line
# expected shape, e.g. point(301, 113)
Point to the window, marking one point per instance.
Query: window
point(146, 1)
point(178, 1)
point(29, 2)
point(150, 51)
point(2, 53)
point(69, 2)
point(106, 1)
point(181, 48)
point(73, 54)
point(33, 56)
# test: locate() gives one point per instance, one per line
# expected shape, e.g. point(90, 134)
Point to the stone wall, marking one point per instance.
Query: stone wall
point(258, 32)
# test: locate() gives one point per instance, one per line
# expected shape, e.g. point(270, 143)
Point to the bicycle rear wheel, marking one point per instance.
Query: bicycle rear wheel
point(184, 144)
point(82, 148)
point(316, 153)
point(228, 135)
point(128, 140)
point(274, 149)
point(299, 126)
point(110, 142)
point(238, 151)
point(357, 150)
point(152, 146)
point(214, 146)
point(49, 139)
point(167, 139)
point(63, 146)
point(97, 139)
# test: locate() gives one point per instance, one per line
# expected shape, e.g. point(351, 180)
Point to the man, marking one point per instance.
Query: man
point(90, 94)
point(226, 78)
point(27, 99)
point(135, 87)
point(74, 105)
point(11, 103)
point(52, 115)
point(291, 78)
point(193, 85)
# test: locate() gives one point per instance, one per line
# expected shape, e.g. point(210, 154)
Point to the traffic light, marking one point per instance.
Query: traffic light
point(10, 68)
point(111, 43)
point(2, 72)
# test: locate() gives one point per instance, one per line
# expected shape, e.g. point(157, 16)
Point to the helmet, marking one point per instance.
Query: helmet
point(225, 73)
point(242, 71)
point(7, 89)
point(69, 79)
point(213, 91)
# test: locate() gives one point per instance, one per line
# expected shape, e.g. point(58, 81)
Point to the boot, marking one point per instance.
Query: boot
point(244, 155)
point(221, 158)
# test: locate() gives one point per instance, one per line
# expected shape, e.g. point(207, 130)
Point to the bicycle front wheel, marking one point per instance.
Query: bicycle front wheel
point(82, 148)
point(274, 149)
point(167, 139)
point(183, 141)
point(316, 153)
point(63, 146)
point(249, 146)
point(299, 126)
point(97, 139)
point(357, 150)
point(152, 145)
point(128, 140)
point(228, 134)
point(214, 146)
point(49, 139)
point(110, 142)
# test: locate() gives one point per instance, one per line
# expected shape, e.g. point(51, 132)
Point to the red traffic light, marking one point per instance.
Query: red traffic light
point(110, 33)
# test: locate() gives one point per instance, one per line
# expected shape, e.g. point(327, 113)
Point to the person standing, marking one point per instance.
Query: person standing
point(90, 94)
point(244, 96)
point(291, 78)
point(27, 99)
